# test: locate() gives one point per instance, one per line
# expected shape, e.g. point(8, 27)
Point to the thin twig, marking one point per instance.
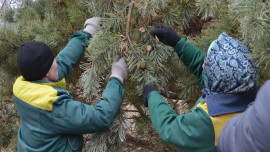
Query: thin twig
point(169, 99)
point(127, 30)
point(139, 142)
point(140, 110)
point(131, 111)
point(13, 45)
point(171, 95)
point(129, 15)
point(139, 58)
point(3, 4)
point(262, 11)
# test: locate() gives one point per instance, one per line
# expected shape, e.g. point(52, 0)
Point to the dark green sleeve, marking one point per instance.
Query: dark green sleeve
point(72, 52)
point(191, 131)
point(73, 117)
point(191, 56)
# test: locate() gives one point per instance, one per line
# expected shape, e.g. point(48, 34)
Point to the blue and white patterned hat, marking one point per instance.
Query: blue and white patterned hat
point(229, 67)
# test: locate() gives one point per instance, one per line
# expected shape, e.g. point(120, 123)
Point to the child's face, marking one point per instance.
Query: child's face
point(52, 75)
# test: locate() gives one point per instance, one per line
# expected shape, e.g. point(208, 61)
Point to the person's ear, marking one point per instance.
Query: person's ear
point(45, 77)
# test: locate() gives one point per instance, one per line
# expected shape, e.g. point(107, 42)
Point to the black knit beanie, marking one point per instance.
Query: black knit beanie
point(34, 60)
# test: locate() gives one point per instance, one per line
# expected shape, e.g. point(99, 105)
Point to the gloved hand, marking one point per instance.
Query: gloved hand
point(146, 90)
point(166, 35)
point(119, 70)
point(92, 25)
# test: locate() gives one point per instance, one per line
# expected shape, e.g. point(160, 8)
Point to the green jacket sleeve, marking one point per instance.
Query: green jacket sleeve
point(73, 117)
point(192, 57)
point(192, 131)
point(72, 52)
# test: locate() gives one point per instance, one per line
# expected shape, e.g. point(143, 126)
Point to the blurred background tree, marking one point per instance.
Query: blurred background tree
point(125, 32)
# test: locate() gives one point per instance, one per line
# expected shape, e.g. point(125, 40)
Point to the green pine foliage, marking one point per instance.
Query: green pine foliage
point(42, 20)
point(114, 139)
point(125, 32)
point(8, 122)
point(254, 20)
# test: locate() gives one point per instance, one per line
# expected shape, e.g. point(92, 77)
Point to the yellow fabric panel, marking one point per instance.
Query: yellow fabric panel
point(39, 95)
point(60, 84)
point(219, 122)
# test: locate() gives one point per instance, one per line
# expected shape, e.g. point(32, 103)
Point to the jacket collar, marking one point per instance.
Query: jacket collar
point(225, 103)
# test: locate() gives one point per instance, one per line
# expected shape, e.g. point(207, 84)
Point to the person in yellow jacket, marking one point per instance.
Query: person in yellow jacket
point(50, 119)
point(229, 78)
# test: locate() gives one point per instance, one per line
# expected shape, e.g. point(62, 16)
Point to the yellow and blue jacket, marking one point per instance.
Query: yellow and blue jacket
point(50, 119)
point(199, 129)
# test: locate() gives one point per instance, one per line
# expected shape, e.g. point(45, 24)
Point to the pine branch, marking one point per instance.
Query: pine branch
point(15, 46)
point(131, 111)
point(129, 15)
point(140, 110)
point(169, 95)
point(169, 99)
point(127, 38)
point(139, 142)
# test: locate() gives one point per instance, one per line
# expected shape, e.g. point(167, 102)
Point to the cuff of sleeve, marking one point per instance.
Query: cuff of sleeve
point(152, 94)
point(175, 41)
point(179, 45)
point(89, 34)
point(117, 78)
point(81, 34)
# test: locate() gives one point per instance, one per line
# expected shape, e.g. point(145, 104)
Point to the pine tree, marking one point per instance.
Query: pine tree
point(126, 33)
point(251, 25)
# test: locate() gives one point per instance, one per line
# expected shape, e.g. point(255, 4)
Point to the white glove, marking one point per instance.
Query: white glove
point(119, 70)
point(92, 25)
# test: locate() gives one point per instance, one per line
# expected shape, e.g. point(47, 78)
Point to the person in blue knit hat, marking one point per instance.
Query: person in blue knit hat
point(229, 76)
point(50, 119)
